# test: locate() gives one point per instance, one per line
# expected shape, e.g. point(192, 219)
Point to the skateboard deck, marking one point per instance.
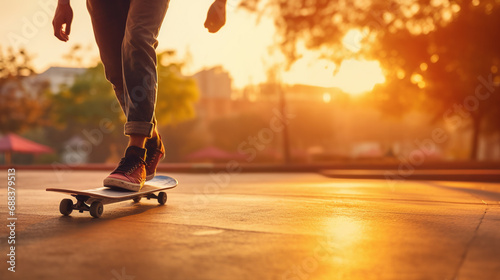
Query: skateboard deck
point(92, 200)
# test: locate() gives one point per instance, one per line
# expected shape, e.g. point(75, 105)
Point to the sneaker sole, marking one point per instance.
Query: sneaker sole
point(116, 183)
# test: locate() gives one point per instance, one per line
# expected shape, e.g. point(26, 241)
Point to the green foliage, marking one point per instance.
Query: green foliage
point(176, 93)
point(90, 102)
point(88, 110)
point(83, 105)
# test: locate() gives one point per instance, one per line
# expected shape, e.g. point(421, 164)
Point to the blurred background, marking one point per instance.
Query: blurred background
point(284, 82)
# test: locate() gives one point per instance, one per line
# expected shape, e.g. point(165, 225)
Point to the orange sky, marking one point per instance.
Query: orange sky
point(241, 47)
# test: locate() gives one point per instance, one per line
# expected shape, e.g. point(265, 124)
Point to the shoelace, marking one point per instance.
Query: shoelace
point(151, 156)
point(128, 164)
point(153, 159)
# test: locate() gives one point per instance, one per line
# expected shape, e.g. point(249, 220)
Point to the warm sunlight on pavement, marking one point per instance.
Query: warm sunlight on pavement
point(267, 226)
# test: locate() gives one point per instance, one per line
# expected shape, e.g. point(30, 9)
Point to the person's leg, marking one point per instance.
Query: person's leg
point(109, 19)
point(140, 78)
point(137, 140)
point(139, 64)
point(140, 140)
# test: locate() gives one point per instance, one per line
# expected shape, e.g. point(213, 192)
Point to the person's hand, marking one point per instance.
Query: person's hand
point(62, 21)
point(216, 16)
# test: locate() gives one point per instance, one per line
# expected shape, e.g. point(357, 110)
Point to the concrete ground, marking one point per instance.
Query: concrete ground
point(258, 226)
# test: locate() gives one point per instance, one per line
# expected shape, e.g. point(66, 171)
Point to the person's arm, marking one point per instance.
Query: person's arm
point(216, 16)
point(62, 20)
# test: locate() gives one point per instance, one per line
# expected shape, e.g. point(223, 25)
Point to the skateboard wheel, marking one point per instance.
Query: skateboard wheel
point(162, 198)
point(66, 206)
point(137, 199)
point(96, 209)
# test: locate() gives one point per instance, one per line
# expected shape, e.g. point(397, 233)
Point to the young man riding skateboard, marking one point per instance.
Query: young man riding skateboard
point(126, 33)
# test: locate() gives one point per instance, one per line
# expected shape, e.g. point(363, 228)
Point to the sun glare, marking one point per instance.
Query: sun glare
point(353, 77)
point(352, 40)
point(358, 76)
point(327, 97)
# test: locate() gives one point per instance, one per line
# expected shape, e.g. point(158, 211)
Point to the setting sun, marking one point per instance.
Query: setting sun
point(353, 77)
point(358, 76)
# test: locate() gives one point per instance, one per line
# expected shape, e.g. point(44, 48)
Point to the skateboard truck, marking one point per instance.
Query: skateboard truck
point(80, 203)
point(66, 206)
point(161, 197)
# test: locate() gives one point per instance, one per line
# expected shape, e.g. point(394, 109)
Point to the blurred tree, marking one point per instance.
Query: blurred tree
point(176, 92)
point(182, 138)
point(175, 111)
point(443, 55)
point(88, 110)
point(22, 103)
point(79, 55)
point(228, 132)
point(74, 56)
point(87, 101)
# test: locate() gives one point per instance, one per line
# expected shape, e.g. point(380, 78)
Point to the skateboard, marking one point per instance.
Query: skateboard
point(93, 200)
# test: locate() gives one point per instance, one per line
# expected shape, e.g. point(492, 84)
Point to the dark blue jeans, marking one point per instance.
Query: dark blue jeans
point(126, 33)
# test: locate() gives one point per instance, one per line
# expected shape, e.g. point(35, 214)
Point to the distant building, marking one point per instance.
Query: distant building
point(214, 83)
point(215, 86)
point(58, 76)
point(54, 77)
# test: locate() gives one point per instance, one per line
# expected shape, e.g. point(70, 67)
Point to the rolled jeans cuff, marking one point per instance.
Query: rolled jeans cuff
point(139, 128)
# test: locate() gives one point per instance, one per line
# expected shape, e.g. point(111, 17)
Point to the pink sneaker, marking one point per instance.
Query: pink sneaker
point(131, 171)
point(155, 152)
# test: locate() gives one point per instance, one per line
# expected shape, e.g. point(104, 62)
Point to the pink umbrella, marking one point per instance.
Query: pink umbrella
point(13, 143)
